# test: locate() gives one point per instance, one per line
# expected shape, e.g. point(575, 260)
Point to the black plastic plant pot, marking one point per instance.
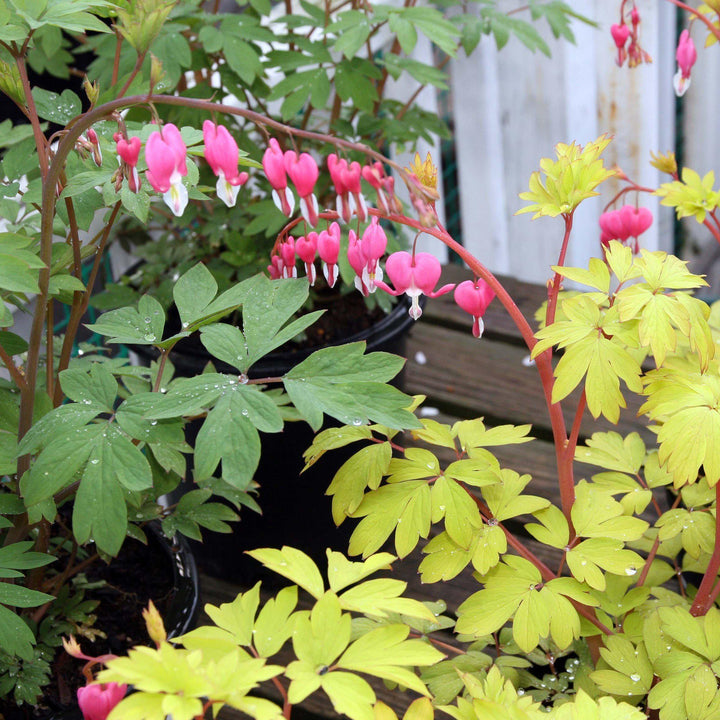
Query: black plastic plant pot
point(179, 607)
point(295, 509)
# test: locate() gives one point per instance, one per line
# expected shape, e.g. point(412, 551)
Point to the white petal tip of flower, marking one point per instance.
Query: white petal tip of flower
point(415, 310)
point(226, 192)
point(680, 83)
point(176, 198)
point(527, 361)
point(420, 358)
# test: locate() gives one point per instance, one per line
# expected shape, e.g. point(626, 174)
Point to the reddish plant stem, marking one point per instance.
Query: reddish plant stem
point(14, 371)
point(648, 562)
point(40, 141)
point(116, 59)
point(703, 600)
point(80, 307)
point(632, 187)
point(713, 229)
point(555, 283)
point(700, 16)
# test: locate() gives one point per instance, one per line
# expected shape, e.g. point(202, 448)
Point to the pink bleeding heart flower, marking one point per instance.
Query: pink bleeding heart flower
point(686, 55)
point(346, 179)
point(620, 34)
point(275, 267)
point(305, 249)
point(328, 246)
point(273, 163)
point(304, 172)
point(373, 244)
point(287, 253)
point(98, 699)
point(627, 222)
point(384, 186)
point(129, 153)
point(474, 298)
point(414, 275)
point(96, 150)
point(358, 263)
point(222, 154)
point(165, 154)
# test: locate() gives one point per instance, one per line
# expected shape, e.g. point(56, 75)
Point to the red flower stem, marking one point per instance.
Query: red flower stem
point(713, 229)
point(554, 286)
point(700, 16)
point(632, 187)
point(704, 599)
point(648, 562)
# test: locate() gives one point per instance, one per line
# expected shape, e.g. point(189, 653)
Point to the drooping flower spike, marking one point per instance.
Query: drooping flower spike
point(474, 298)
point(414, 275)
point(304, 172)
point(686, 55)
point(97, 700)
point(166, 154)
point(305, 249)
point(346, 179)
point(222, 154)
point(274, 165)
point(128, 151)
point(328, 246)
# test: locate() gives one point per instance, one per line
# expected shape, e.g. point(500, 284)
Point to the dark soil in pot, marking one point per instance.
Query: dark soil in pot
point(160, 571)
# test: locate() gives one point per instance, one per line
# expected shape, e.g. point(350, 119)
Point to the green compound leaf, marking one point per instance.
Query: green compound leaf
point(366, 468)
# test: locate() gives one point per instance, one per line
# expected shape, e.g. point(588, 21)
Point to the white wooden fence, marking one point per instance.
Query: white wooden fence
point(511, 107)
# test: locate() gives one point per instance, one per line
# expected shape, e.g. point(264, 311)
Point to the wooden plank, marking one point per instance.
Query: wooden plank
point(486, 378)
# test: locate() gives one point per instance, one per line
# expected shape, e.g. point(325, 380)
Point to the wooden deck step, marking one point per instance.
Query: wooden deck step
point(487, 378)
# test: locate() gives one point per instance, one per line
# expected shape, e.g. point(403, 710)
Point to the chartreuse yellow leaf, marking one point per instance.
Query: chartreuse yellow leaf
point(691, 196)
point(420, 709)
point(381, 596)
point(494, 698)
point(583, 707)
point(596, 276)
point(619, 258)
point(453, 503)
point(343, 572)
point(567, 181)
point(591, 351)
point(366, 468)
point(350, 695)
point(321, 635)
point(630, 671)
point(506, 499)
point(435, 433)
point(293, 564)
point(697, 530)
point(596, 514)
point(686, 405)
point(237, 617)
point(387, 653)
point(612, 451)
point(275, 622)
point(700, 635)
point(553, 530)
point(402, 507)
point(446, 559)
point(416, 464)
point(333, 438)
point(514, 589)
point(587, 558)
point(473, 434)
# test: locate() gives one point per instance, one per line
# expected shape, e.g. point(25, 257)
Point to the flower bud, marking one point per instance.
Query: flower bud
point(154, 624)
